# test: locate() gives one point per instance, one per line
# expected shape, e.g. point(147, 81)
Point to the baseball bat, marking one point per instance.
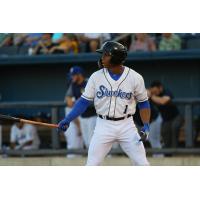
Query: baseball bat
point(15, 119)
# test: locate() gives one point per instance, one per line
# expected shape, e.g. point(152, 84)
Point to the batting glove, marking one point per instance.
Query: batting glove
point(63, 125)
point(144, 132)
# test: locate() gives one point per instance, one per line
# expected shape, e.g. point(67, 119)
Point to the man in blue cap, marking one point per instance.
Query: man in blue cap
point(88, 118)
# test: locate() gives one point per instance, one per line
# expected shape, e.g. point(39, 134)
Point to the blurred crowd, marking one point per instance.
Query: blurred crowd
point(64, 43)
point(54, 43)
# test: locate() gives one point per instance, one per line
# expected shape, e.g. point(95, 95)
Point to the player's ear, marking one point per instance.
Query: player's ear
point(100, 64)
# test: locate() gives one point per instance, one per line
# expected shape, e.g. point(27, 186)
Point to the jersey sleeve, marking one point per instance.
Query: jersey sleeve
point(89, 92)
point(140, 90)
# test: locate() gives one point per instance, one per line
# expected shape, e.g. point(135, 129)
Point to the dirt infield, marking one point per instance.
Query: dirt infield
point(110, 161)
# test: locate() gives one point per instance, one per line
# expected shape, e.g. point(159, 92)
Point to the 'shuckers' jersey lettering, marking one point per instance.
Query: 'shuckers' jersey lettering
point(103, 91)
point(115, 98)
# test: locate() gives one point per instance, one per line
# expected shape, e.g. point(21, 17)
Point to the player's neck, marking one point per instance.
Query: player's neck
point(117, 69)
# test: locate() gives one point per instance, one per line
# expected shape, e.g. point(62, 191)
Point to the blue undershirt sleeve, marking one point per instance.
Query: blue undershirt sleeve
point(79, 108)
point(144, 105)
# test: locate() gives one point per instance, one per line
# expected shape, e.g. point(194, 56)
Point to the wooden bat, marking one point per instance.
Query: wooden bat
point(14, 119)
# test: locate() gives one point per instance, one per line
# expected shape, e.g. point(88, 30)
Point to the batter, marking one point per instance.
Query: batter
point(114, 89)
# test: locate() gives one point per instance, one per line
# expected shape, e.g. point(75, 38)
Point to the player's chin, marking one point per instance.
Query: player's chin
point(105, 66)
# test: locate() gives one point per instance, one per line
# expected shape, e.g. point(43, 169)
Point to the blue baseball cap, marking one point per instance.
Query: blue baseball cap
point(76, 70)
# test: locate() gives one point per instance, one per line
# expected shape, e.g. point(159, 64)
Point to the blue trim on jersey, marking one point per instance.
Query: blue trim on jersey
point(143, 105)
point(79, 108)
point(115, 76)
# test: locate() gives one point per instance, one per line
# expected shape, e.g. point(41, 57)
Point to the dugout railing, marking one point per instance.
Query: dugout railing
point(186, 104)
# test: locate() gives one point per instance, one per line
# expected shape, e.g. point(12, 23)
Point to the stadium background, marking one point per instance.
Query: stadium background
point(29, 79)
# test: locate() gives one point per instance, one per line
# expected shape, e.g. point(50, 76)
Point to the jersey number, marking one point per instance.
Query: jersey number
point(125, 110)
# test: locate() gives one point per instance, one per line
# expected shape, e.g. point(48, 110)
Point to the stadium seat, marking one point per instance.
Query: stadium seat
point(23, 51)
point(8, 50)
point(193, 43)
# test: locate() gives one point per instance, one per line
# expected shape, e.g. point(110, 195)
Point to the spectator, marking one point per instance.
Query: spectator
point(32, 39)
point(44, 45)
point(56, 37)
point(24, 136)
point(125, 40)
point(170, 42)
point(67, 44)
point(6, 39)
point(88, 118)
point(18, 39)
point(172, 120)
point(2, 37)
point(143, 42)
point(114, 35)
point(93, 40)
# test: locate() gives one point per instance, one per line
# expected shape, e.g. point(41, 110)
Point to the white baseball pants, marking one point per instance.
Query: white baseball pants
point(108, 132)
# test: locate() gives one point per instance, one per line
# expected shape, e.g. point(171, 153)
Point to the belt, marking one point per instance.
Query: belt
point(114, 119)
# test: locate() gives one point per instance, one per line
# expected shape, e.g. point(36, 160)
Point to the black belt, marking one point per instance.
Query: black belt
point(114, 119)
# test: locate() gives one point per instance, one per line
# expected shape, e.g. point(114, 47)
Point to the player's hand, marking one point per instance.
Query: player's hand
point(63, 125)
point(144, 133)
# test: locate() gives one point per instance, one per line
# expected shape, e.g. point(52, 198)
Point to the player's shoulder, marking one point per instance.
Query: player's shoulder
point(97, 73)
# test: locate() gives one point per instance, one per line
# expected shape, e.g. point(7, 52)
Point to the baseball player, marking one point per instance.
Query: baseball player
point(115, 89)
point(24, 136)
point(88, 118)
point(73, 133)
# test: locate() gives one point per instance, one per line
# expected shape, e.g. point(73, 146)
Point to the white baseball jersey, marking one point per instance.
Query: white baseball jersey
point(27, 133)
point(115, 98)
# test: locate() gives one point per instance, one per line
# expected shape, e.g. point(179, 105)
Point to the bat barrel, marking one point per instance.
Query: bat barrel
point(39, 123)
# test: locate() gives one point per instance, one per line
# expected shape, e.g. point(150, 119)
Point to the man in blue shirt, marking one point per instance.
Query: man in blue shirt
point(74, 92)
point(172, 120)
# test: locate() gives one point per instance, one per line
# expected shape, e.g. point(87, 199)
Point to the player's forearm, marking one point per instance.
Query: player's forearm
point(160, 100)
point(145, 115)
